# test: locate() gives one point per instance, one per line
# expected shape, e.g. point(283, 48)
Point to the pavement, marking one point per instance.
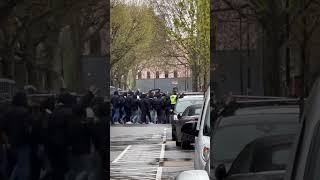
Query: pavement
point(146, 151)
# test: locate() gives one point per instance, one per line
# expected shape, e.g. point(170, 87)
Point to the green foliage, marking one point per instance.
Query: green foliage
point(134, 37)
point(190, 28)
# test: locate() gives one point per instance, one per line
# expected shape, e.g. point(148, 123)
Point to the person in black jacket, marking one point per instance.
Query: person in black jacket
point(3, 157)
point(159, 108)
point(128, 106)
point(58, 136)
point(80, 142)
point(115, 101)
point(100, 130)
point(122, 100)
point(144, 107)
point(135, 109)
point(17, 128)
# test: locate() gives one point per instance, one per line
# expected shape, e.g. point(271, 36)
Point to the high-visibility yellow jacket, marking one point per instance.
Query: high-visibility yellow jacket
point(173, 99)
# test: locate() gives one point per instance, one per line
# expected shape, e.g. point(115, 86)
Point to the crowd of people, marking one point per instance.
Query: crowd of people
point(60, 138)
point(137, 107)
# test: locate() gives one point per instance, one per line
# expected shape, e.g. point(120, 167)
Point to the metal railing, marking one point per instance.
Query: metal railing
point(7, 88)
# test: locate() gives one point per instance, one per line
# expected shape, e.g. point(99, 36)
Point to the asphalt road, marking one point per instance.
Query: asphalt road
point(146, 152)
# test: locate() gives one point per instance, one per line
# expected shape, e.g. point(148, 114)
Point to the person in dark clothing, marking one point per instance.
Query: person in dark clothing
point(80, 142)
point(46, 108)
point(17, 128)
point(3, 157)
point(158, 108)
point(167, 108)
point(36, 142)
point(115, 101)
point(128, 106)
point(144, 106)
point(150, 114)
point(122, 101)
point(99, 129)
point(58, 136)
point(135, 109)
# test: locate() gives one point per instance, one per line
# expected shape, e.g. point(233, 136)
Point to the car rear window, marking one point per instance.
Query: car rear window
point(228, 141)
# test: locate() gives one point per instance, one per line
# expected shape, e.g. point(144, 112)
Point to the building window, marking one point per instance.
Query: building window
point(148, 75)
point(166, 74)
point(139, 75)
point(175, 74)
point(157, 75)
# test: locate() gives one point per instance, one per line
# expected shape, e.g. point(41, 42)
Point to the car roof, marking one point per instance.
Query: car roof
point(260, 111)
point(191, 97)
point(195, 106)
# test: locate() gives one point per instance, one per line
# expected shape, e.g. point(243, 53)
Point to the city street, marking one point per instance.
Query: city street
point(146, 152)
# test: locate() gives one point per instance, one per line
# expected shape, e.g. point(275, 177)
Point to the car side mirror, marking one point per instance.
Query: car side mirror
point(179, 115)
point(190, 128)
point(221, 172)
point(193, 175)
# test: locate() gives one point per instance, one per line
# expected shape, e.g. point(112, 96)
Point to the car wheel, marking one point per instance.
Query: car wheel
point(178, 144)
point(185, 145)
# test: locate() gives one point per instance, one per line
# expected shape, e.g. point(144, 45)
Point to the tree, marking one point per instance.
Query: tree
point(188, 25)
point(136, 39)
point(34, 24)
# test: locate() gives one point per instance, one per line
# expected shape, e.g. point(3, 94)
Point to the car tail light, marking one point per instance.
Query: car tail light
point(206, 153)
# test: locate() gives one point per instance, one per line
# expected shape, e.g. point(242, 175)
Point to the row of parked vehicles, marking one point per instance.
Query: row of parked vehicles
point(252, 138)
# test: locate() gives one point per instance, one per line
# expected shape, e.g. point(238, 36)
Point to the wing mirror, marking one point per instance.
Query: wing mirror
point(190, 128)
point(193, 175)
point(179, 115)
point(221, 172)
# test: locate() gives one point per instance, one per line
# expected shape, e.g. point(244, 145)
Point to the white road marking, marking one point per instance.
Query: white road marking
point(120, 156)
point(159, 173)
point(159, 170)
point(162, 152)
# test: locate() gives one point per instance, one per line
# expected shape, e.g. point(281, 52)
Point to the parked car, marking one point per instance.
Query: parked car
point(264, 158)
point(180, 107)
point(238, 125)
point(201, 130)
point(192, 113)
point(305, 161)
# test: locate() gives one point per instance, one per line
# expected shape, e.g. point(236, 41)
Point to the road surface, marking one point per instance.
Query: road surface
point(146, 152)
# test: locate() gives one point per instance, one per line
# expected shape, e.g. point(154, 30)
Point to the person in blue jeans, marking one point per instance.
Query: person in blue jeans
point(115, 101)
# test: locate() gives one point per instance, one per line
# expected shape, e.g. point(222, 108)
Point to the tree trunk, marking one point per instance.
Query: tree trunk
point(195, 77)
point(272, 65)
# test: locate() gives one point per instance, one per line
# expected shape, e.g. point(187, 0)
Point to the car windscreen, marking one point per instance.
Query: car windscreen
point(183, 104)
point(228, 141)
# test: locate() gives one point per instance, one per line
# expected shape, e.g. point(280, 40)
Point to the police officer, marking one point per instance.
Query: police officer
point(173, 100)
